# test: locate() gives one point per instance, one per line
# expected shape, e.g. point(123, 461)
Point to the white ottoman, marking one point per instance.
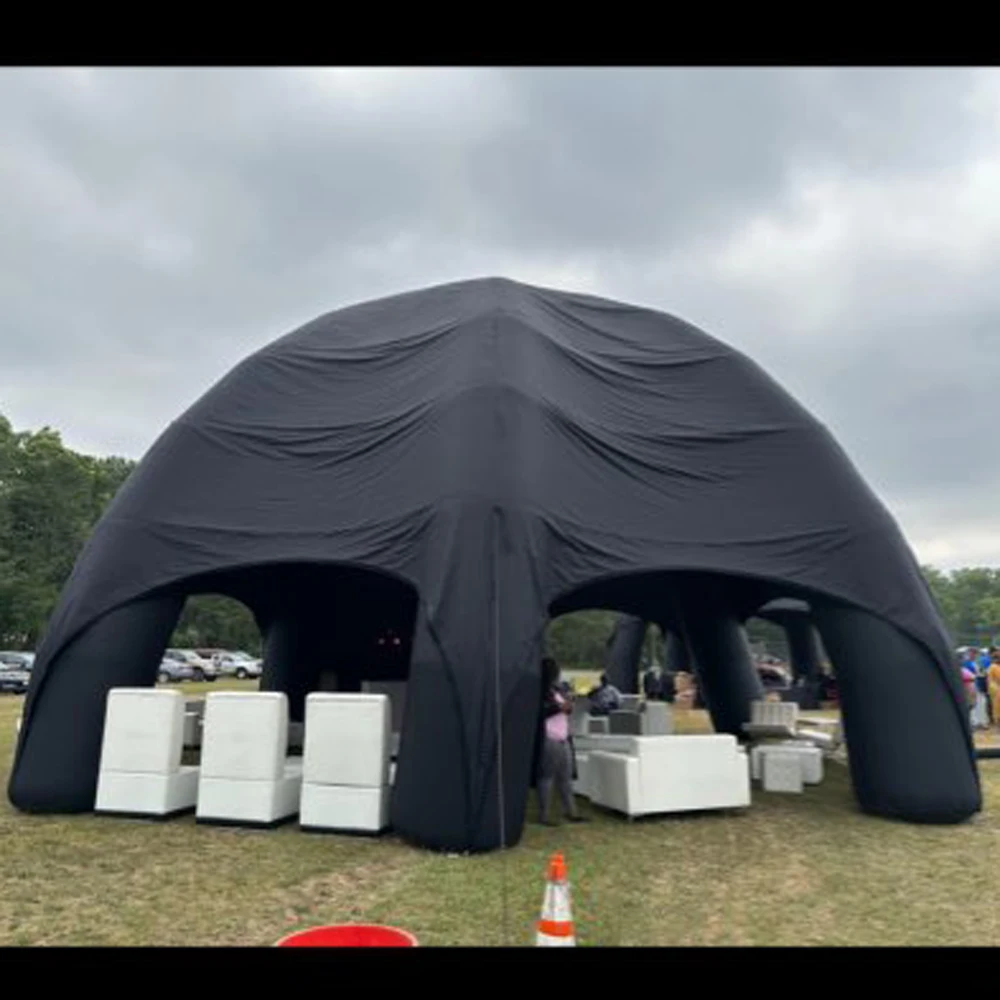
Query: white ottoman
point(347, 772)
point(811, 759)
point(782, 771)
point(581, 785)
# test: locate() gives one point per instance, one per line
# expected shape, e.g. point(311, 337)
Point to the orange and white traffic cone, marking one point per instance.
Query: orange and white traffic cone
point(555, 929)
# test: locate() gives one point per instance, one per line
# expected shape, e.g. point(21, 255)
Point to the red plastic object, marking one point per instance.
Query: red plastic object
point(350, 936)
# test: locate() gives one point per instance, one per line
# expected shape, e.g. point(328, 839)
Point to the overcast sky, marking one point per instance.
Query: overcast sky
point(840, 226)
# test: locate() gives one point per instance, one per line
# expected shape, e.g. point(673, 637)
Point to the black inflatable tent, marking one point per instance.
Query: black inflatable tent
point(459, 464)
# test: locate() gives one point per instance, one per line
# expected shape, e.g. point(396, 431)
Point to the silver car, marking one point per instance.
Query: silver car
point(238, 664)
point(173, 671)
point(201, 669)
point(15, 671)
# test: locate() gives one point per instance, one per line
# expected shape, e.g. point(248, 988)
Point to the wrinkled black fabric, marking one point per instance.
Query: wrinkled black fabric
point(620, 437)
point(496, 446)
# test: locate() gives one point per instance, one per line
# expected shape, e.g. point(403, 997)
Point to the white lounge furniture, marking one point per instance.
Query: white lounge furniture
point(194, 720)
point(610, 742)
point(625, 723)
point(657, 719)
point(246, 776)
point(579, 721)
point(140, 771)
point(631, 702)
point(810, 759)
point(782, 771)
point(779, 720)
point(346, 763)
point(581, 784)
point(667, 774)
point(772, 719)
point(597, 724)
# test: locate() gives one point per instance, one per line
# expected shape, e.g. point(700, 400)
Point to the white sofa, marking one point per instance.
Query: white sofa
point(346, 772)
point(667, 774)
point(247, 778)
point(140, 771)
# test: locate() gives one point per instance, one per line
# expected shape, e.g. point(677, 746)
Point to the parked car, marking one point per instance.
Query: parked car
point(238, 664)
point(173, 671)
point(202, 669)
point(15, 671)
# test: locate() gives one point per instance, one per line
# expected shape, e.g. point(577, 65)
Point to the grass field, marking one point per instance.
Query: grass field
point(792, 870)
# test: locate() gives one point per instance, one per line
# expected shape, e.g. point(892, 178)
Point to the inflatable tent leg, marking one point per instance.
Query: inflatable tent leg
point(803, 648)
point(293, 662)
point(725, 670)
point(446, 793)
point(623, 653)
point(59, 752)
point(905, 721)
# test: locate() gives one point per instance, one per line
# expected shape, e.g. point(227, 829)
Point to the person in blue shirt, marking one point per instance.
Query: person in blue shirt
point(980, 716)
point(605, 698)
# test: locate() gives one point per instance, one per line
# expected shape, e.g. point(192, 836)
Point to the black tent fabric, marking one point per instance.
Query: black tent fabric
point(459, 464)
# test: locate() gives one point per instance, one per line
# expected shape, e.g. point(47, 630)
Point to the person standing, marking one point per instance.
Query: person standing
point(605, 698)
point(969, 686)
point(982, 674)
point(556, 766)
point(980, 713)
point(993, 680)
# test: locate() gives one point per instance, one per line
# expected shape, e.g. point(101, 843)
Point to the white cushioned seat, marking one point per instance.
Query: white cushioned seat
point(346, 766)
point(665, 774)
point(581, 784)
point(772, 719)
point(625, 723)
point(194, 719)
point(609, 742)
point(810, 758)
point(657, 719)
point(246, 775)
point(782, 770)
point(140, 771)
point(579, 721)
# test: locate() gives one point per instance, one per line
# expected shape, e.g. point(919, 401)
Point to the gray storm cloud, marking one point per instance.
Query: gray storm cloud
point(840, 226)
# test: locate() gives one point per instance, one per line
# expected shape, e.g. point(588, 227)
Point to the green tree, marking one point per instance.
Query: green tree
point(216, 622)
point(50, 499)
point(578, 640)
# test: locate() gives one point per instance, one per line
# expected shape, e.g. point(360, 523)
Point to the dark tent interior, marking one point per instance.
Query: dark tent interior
point(412, 488)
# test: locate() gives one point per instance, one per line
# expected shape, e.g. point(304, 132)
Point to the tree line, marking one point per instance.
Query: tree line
point(51, 497)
